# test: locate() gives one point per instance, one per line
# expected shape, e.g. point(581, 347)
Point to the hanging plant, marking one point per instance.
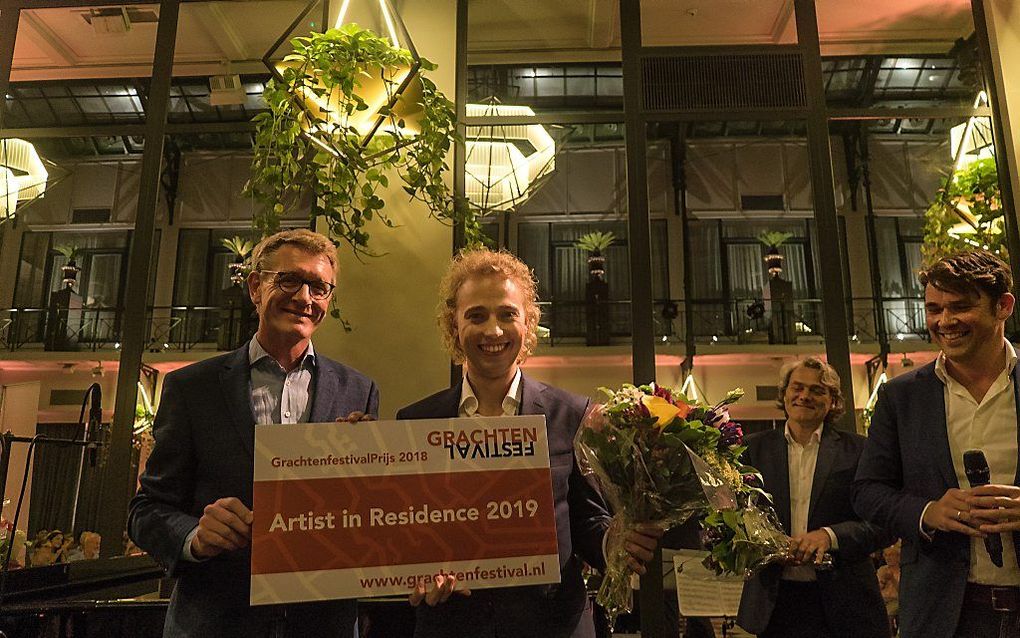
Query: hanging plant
point(346, 111)
point(966, 214)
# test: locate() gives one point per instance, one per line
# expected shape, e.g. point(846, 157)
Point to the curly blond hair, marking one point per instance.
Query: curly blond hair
point(481, 262)
point(311, 241)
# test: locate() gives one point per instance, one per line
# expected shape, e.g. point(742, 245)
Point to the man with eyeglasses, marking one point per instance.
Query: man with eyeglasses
point(192, 512)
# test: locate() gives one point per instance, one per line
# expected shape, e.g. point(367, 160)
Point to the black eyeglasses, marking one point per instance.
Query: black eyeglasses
point(290, 283)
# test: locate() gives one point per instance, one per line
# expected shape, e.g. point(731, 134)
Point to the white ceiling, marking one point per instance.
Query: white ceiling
point(59, 43)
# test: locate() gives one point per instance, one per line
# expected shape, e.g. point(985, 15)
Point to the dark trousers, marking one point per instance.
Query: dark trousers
point(798, 612)
point(985, 617)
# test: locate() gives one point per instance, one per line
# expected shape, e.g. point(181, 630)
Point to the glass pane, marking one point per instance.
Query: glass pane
point(102, 287)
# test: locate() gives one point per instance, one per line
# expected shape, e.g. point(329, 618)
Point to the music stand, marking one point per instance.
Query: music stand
point(701, 593)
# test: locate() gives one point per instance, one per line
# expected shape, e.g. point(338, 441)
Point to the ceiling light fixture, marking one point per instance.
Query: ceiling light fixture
point(389, 98)
point(22, 175)
point(506, 163)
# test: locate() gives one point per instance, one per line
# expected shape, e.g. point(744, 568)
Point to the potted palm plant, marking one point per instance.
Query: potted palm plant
point(70, 269)
point(772, 240)
point(595, 244)
point(596, 290)
point(241, 248)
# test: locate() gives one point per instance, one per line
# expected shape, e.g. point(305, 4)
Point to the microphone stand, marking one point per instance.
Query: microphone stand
point(94, 395)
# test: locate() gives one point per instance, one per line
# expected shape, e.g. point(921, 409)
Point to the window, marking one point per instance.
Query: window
point(562, 272)
point(202, 285)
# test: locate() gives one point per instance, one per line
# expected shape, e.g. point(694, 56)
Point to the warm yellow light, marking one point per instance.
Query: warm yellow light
point(326, 116)
point(504, 162)
point(690, 389)
point(22, 174)
point(873, 399)
point(972, 140)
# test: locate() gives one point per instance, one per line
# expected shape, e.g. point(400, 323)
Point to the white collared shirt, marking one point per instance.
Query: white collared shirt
point(801, 462)
point(989, 425)
point(469, 402)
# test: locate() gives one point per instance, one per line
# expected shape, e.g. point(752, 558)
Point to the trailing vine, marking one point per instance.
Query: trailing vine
point(319, 151)
point(970, 195)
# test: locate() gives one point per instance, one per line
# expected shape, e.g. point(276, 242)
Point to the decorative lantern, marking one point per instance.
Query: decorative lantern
point(22, 175)
point(506, 163)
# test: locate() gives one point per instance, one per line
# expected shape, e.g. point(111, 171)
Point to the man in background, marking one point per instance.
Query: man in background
point(808, 467)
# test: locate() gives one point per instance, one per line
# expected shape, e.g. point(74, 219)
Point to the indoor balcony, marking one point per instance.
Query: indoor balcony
point(98, 329)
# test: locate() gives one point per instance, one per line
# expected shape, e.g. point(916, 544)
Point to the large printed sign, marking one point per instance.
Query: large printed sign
point(373, 508)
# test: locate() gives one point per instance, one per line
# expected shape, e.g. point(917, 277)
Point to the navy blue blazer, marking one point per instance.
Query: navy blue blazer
point(906, 464)
point(557, 611)
point(852, 602)
point(205, 437)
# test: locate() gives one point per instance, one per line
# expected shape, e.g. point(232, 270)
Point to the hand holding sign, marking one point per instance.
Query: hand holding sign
point(225, 526)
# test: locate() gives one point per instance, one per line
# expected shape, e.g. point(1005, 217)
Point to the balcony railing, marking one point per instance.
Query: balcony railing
point(714, 321)
point(175, 328)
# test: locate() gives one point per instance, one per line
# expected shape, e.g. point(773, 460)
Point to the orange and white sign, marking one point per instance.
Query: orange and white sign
point(371, 509)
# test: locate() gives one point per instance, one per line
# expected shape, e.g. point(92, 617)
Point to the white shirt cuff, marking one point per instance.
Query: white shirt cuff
point(833, 541)
point(925, 534)
point(186, 550)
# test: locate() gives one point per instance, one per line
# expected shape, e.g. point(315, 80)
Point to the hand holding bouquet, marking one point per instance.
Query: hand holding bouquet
point(661, 459)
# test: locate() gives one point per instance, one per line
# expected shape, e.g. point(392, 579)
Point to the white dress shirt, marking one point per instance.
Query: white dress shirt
point(801, 461)
point(469, 402)
point(989, 425)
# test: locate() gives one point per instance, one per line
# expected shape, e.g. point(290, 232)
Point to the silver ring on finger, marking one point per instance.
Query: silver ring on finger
point(959, 515)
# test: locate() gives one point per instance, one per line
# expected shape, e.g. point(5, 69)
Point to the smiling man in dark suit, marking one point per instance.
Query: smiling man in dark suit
point(489, 318)
point(912, 476)
point(192, 512)
point(808, 467)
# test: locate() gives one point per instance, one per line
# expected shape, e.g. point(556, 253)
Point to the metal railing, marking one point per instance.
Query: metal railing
point(733, 321)
point(175, 328)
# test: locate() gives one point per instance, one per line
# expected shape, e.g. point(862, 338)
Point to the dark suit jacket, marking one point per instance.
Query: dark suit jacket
point(205, 434)
point(906, 464)
point(852, 602)
point(581, 520)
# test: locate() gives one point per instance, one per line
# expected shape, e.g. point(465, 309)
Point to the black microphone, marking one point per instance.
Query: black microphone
point(976, 467)
point(95, 422)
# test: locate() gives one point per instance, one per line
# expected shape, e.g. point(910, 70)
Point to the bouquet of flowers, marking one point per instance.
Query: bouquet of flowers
point(661, 459)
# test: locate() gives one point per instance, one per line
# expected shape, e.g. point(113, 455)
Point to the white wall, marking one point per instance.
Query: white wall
point(18, 409)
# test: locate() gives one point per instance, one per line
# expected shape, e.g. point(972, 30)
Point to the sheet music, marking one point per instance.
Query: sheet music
point(700, 592)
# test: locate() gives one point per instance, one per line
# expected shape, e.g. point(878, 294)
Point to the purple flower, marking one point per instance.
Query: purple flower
point(663, 393)
point(716, 417)
point(730, 434)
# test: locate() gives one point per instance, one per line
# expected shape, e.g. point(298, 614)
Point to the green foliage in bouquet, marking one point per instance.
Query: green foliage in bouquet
point(742, 539)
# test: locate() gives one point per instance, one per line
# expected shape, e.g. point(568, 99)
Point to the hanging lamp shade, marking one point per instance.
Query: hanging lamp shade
point(506, 163)
point(23, 175)
point(972, 140)
point(326, 114)
point(385, 99)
